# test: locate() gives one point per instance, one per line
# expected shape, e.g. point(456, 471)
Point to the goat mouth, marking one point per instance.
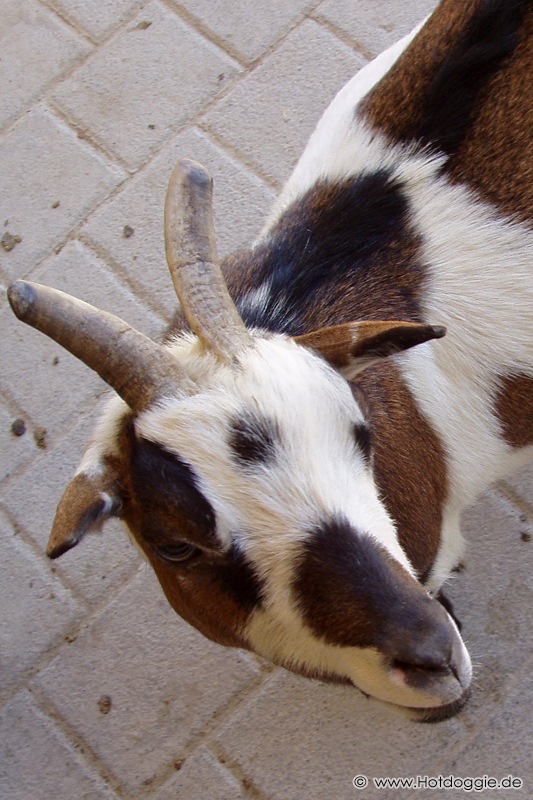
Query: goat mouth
point(428, 715)
point(440, 713)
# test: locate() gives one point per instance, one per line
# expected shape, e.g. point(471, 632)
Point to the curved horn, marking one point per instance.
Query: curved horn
point(193, 264)
point(137, 368)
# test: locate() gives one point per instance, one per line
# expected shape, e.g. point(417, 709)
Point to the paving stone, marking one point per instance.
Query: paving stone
point(99, 18)
point(201, 777)
point(31, 36)
point(50, 383)
point(36, 608)
point(45, 162)
point(314, 739)
point(144, 84)
point(161, 680)
point(98, 563)
point(502, 749)
point(240, 205)
point(272, 112)
point(493, 597)
point(15, 450)
point(78, 271)
point(247, 28)
point(375, 24)
point(522, 483)
point(38, 762)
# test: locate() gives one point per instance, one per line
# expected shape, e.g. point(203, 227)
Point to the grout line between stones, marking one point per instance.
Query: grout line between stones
point(14, 408)
point(514, 501)
point(53, 440)
point(90, 612)
point(480, 726)
point(86, 752)
point(68, 22)
point(128, 280)
point(203, 30)
point(6, 129)
point(86, 135)
point(341, 35)
point(235, 153)
point(248, 64)
point(251, 792)
point(160, 778)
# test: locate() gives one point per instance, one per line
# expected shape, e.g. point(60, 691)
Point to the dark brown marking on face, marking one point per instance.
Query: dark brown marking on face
point(253, 439)
point(409, 463)
point(217, 588)
point(352, 593)
point(168, 498)
point(214, 595)
point(514, 408)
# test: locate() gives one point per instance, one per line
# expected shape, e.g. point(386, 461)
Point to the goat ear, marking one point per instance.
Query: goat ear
point(352, 347)
point(85, 505)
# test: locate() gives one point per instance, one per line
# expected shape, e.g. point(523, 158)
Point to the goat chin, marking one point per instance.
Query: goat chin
point(427, 715)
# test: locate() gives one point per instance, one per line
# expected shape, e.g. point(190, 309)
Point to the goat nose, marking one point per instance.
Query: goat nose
point(424, 656)
point(427, 648)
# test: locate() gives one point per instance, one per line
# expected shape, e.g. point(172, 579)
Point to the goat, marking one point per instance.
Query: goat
point(293, 457)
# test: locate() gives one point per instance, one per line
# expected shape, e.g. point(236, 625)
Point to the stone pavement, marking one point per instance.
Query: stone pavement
point(105, 692)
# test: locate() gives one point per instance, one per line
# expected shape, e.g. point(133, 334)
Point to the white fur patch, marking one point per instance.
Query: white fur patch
point(104, 439)
point(256, 300)
point(317, 472)
point(480, 286)
point(340, 147)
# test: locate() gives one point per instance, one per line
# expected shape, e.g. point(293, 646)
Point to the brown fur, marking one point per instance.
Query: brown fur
point(194, 590)
point(408, 462)
point(392, 288)
point(194, 594)
point(341, 345)
point(394, 105)
point(496, 157)
point(352, 593)
point(513, 407)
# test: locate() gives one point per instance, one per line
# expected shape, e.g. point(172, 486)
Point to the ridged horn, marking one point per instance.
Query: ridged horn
point(137, 368)
point(193, 263)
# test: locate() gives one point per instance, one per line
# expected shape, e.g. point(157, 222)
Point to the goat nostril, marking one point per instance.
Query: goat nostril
point(421, 668)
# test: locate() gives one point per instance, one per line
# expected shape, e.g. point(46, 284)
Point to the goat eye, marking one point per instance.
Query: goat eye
point(178, 552)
